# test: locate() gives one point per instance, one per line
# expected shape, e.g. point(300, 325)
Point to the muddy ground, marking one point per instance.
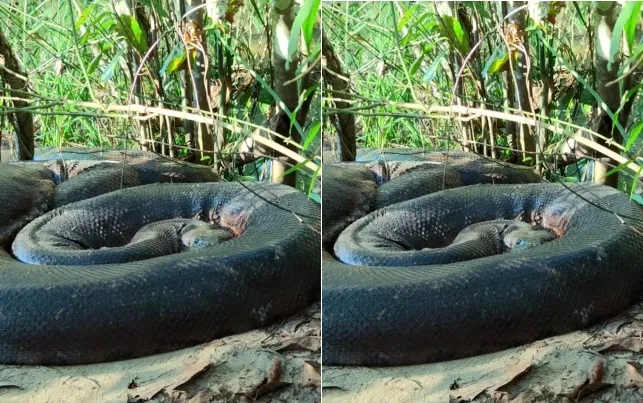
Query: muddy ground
point(277, 364)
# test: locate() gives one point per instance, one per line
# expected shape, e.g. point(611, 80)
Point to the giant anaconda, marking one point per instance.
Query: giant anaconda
point(146, 269)
point(406, 282)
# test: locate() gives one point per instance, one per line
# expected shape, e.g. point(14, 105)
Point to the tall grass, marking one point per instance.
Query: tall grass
point(74, 54)
point(399, 57)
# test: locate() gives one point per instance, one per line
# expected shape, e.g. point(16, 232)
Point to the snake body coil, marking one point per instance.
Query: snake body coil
point(398, 290)
point(99, 287)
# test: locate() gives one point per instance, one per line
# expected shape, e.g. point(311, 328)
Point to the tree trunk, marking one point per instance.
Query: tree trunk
point(518, 60)
point(250, 151)
point(611, 95)
point(21, 121)
point(195, 38)
point(344, 122)
point(545, 99)
point(188, 96)
point(222, 103)
point(510, 127)
point(285, 71)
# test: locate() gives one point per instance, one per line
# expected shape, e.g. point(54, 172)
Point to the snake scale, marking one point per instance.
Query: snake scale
point(406, 280)
point(103, 263)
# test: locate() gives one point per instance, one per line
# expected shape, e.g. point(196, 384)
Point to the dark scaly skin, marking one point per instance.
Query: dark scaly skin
point(68, 162)
point(25, 193)
point(83, 314)
point(375, 314)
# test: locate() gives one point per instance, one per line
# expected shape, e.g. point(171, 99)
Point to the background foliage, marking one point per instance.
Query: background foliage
point(80, 56)
point(404, 60)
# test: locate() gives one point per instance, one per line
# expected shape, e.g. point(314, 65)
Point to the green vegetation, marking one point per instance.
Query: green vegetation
point(473, 75)
point(93, 67)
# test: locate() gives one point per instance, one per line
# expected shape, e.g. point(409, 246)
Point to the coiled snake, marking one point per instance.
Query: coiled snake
point(148, 268)
point(467, 270)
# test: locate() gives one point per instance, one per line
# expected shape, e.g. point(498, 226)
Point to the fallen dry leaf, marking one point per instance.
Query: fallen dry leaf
point(597, 372)
point(633, 377)
point(620, 344)
point(616, 324)
point(527, 396)
point(470, 392)
point(269, 383)
point(179, 396)
point(311, 343)
point(143, 392)
point(291, 327)
point(500, 397)
point(310, 375)
point(592, 384)
point(203, 396)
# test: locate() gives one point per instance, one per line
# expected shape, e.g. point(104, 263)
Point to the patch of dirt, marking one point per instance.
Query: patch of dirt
point(277, 364)
point(600, 364)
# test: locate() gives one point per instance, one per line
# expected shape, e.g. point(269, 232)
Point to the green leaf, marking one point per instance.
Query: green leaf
point(308, 26)
point(416, 64)
point(108, 73)
point(84, 15)
point(419, 20)
point(312, 133)
point(406, 17)
point(302, 98)
point(479, 6)
point(157, 6)
point(297, 167)
point(85, 37)
point(630, 24)
point(304, 23)
point(626, 22)
point(428, 47)
point(129, 28)
point(452, 31)
point(94, 64)
point(315, 197)
point(615, 170)
point(100, 26)
point(311, 187)
point(418, 30)
point(431, 72)
point(429, 26)
point(406, 38)
point(632, 92)
point(265, 96)
point(106, 46)
point(496, 62)
point(110, 21)
point(174, 60)
point(634, 134)
point(309, 91)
